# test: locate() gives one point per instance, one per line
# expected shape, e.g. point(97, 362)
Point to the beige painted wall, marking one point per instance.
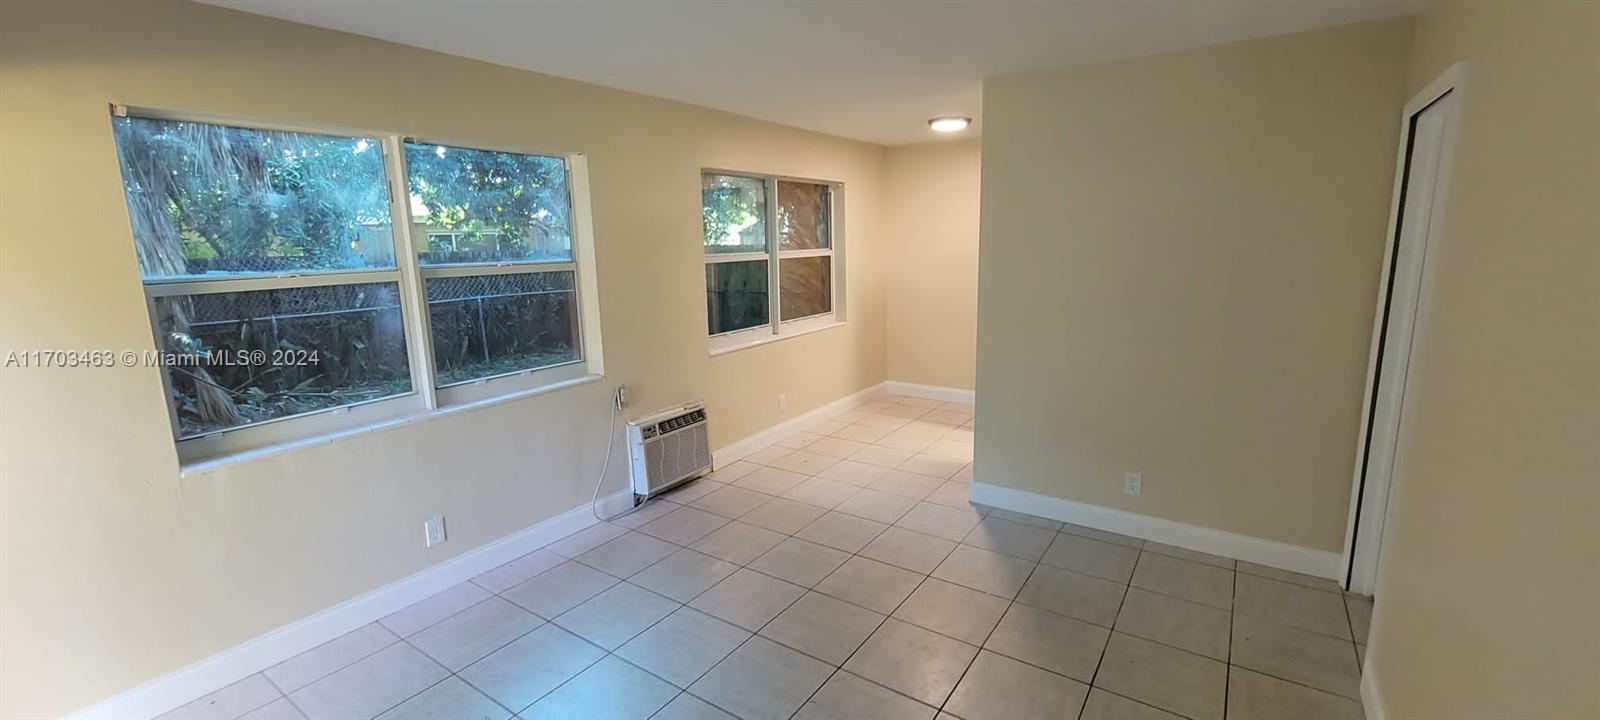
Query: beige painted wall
point(1487, 593)
point(114, 572)
point(932, 221)
point(1179, 265)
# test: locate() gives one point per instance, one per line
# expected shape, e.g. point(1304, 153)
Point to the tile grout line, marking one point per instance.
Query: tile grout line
point(1227, 675)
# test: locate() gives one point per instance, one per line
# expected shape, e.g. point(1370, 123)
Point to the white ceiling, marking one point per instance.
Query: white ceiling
point(873, 70)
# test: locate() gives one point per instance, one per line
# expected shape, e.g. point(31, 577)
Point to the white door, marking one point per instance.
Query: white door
point(1399, 301)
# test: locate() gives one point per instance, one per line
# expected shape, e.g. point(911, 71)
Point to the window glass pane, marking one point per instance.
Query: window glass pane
point(803, 216)
point(807, 285)
point(208, 199)
point(486, 325)
point(735, 210)
point(736, 295)
point(483, 206)
point(246, 357)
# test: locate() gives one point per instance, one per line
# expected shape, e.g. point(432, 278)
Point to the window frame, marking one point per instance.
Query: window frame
point(426, 397)
point(777, 328)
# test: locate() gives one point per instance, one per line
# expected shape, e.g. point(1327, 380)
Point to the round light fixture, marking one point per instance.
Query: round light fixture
point(948, 124)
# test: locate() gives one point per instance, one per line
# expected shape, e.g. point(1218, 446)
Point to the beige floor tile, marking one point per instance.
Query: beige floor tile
point(627, 554)
point(559, 589)
point(820, 492)
point(1190, 555)
point(936, 466)
point(463, 638)
point(1010, 537)
point(1168, 678)
point(861, 433)
point(610, 689)
point(940, 521)
point(748, 599)
point(771, 480)
point(823, 627)
point(642, 514)
point(305, 668)
point(1253, 696)
point(783, 516)
point(510, 574)
point(532, 665)
point(1107, 706)
point(1292, 605)
point(683, 646)
point(870, 584)
point(799, 561)
point(907, 484)
point(806, 462)
point(1101, 535)
point(985, 570)
point(853, 472)
point(908, 549)
point(731, 502)
point(799, 440)
point(683, 526)
point(1290, 653)
point(1054, 642)
point(232, 701)
point(876, 505)
point(693, 490)
point(1086, 598)
point(841, 532)
point(848, 697)
point(997, 686)
point(912, 661)
point(733, 471)
point(1194, 581)
point(1360, 611)
point(1191, 626)
point(1310, 581)
point(767, 455)
point(823, 427)
point(834, 447)
point(683, 575)
point(900, 440)
point(410, 620)
point(689, 707)
point(881, 456)
point(1108, 561)
point(368, 687)
point(738, 543)
point(955, 449)
point(762, 680)
point(613, 617)
point(587, 539)
point(284, 709)
point(450, 698)
point(952, 494)
point(962, 613)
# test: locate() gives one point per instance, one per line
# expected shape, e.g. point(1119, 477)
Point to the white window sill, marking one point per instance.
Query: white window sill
point(765, 339)
point(200, 468)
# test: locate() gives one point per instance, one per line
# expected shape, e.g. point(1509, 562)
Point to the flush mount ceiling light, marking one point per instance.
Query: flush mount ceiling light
point(949, 123)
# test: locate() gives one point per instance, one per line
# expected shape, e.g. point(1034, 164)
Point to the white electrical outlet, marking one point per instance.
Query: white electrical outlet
point(783, 401)
point(433, 531)
point(1133, 483)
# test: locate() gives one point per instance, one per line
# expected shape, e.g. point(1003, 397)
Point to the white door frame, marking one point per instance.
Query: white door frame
point(1360, 569)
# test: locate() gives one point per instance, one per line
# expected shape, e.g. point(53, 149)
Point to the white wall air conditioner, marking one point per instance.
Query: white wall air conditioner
point(668, 448)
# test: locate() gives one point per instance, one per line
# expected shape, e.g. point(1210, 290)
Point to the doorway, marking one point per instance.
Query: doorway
point(1422, 171)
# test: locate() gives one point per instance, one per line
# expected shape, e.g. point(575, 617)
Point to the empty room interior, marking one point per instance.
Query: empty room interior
point(711, 359)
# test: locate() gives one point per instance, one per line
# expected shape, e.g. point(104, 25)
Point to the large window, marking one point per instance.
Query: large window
point(292, 296)
point(769, 254)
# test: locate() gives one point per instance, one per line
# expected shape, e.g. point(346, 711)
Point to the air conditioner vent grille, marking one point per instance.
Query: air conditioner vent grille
point(669, 448)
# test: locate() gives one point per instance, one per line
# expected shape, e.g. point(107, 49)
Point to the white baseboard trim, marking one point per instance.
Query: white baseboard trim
point(1371, 699)
point(738, 449)
point(1271, 553)
point(234, 664)
point(932, 392)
